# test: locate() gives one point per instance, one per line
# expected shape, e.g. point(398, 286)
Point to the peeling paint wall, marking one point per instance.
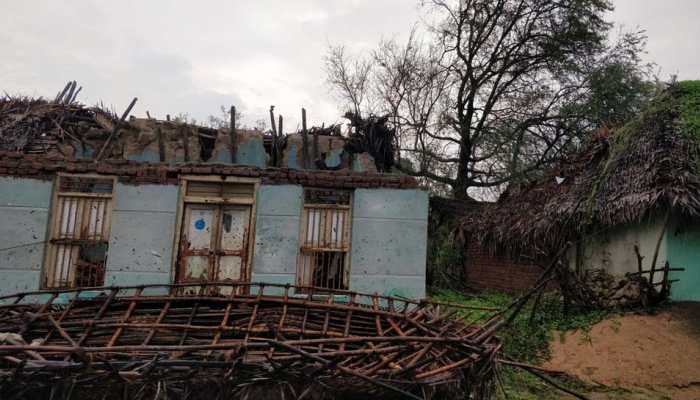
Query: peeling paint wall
point(389, 236)
point(389, 239)
point(277, 234)
point(24, 217)
point(251, 150)
point(142, 236)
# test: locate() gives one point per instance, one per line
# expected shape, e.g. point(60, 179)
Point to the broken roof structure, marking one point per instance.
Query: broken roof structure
point(639, 184)
point(187, 342)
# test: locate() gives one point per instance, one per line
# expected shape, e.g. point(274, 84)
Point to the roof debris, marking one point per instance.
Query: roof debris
point(207, 341)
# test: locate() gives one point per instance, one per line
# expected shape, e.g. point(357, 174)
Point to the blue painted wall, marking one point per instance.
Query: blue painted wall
point(389, 231)
point(24, 212)
point(251, 151)
point(142, 236)
point(389, 236)
point(278, 216)
point(683, 250)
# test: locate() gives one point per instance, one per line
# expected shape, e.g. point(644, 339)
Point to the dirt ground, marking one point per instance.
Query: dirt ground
point(653, 356)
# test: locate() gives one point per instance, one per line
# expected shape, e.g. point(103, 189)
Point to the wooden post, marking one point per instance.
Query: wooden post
point(233, 137)
point(316, 155)
point(273, 155)
point(280, 132)
point(115, 132)
point(667, 220)
point(304, 141)
point(665, 286)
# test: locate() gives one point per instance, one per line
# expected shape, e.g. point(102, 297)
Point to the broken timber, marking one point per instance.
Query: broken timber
point(210, 341)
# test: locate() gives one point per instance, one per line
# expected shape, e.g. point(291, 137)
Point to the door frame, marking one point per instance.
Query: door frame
point(180, 215)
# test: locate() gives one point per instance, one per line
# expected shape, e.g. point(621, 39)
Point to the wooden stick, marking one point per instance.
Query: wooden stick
point(304, 141)
point(115, 131)
point(317, 155)
point(273, 155)
point(346, 370)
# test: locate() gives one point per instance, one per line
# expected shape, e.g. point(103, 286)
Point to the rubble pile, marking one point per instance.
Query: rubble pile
point(39, 126)
point(597, 288)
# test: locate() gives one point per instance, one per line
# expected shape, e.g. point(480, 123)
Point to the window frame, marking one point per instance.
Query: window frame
point(50, 260)
point(304, 249)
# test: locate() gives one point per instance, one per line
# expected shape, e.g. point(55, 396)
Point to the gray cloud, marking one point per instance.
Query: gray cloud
point(185, 56)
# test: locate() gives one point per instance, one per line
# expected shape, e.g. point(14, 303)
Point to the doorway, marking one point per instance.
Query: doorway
point(216, 234)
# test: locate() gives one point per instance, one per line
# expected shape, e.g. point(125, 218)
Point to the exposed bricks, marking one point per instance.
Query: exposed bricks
point(45, 167)
point(492, 271)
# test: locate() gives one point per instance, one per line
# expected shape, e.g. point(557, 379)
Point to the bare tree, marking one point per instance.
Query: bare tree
point(493, 90)
point(350, 77)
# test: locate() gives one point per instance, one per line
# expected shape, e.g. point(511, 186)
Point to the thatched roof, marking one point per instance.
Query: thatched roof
point(650, 165)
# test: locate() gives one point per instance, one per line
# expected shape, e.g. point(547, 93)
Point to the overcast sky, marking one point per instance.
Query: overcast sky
point(193, 56)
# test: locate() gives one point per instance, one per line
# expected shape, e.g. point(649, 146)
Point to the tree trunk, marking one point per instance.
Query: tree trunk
point(462, 183)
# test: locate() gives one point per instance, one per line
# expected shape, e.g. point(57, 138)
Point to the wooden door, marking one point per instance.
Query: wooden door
point(232, 244)
point(214, 244)
point(196, 255)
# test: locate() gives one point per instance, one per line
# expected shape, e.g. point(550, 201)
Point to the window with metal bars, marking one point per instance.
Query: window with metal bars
point(324, 259)
point(79, 232)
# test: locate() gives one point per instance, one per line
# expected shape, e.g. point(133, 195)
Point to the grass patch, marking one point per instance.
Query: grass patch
point(527, 339)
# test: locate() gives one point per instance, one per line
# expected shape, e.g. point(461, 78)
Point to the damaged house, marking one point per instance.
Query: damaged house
point(629, 201)
point(155, 259)
point(88, 199)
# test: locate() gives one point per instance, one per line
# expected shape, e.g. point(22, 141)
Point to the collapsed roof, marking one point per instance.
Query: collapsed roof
point(65, 128)
point(650, 165)
point(210, 341)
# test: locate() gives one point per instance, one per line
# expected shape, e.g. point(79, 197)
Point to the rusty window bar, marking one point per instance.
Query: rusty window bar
point(78, 244)
point(324, 254)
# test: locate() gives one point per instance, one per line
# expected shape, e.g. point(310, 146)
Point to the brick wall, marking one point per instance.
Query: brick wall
point(41, 166)
point(491, 271)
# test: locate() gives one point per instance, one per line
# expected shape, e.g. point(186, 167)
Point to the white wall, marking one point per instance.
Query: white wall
point(613, 250)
